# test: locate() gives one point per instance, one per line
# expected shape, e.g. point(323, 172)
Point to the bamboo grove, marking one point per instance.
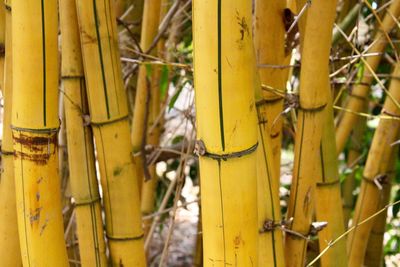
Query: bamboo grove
point(200, 133)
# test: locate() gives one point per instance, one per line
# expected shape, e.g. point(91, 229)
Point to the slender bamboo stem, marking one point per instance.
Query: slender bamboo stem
point(226, 119)
point(10, 253)
point(313, 101)
point(359, 94)
point(328, 195)
point(269, 39)
point(109, 119)
point(151, 19)
point(84, 186)
point(353, 159)
point(375, 174)
point(34, 127)
point(374, 252)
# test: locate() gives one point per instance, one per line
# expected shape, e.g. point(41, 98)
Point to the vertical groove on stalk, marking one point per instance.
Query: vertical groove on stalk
point(96, 19)
point(220, 102)
point(44, 61)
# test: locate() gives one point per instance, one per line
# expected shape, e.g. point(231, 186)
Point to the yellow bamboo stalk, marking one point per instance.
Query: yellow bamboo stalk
point(109, 119)
point(84, 186)
point(10, 253)
point(374, 252)
point(270, 243)
point(226, 119)
point(34, 127)
point(313, 100)
point(328, 195)
point(354, 154)
point(2, 45)
point(375, 172)
point(269, 40)
point(359, 94)
point(148, 195)
point(151, 19)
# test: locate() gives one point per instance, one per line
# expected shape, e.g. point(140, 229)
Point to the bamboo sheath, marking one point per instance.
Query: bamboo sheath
point(269, 40)
point(328, 195)
point(270, 243)
point(314, 95)
point(226, 120)
point(151, 20)
point(109, 120)
point(359, 94)
point(375, 172)
point(84, 186)
point(10, 253)
point(34, 128)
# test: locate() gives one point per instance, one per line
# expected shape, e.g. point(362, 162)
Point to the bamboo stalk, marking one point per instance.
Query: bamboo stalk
point(270, 243)
point(328, 195)
point(359, 94)
point(269, 39)
point(10, 253)
point(354, 156)
point(151, 19)
point(2, 45)
point(313, 100)
point(84, 186)
point(109, 119)
point(34, 127)
point(148, 195)
point(375, 173)
point(226, 120)
point(374, 252)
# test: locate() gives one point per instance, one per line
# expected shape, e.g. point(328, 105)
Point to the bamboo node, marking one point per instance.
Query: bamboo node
point(133, 238)
point(201, 151)
point(379, 181)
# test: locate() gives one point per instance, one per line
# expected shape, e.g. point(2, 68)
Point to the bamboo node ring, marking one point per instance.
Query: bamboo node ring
point(201, 151)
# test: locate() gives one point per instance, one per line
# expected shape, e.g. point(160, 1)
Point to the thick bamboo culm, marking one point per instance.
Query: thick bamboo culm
point(269, 40)
point(270, 242)
point(227, 132)
point(374, 252)
point(84, 186)
point(328, 195)
point(109, 119)
point(360, 91)
point(34, 128)
point(10, 253)
point(151, 20)
point(375, 173)
point(314, 95)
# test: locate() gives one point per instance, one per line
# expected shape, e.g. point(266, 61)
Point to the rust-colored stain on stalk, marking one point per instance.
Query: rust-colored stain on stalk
point(37, 149)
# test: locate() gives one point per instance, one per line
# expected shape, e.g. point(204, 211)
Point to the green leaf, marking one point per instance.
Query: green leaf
point(360, 71)
point(174, 98)
point(164, 81)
